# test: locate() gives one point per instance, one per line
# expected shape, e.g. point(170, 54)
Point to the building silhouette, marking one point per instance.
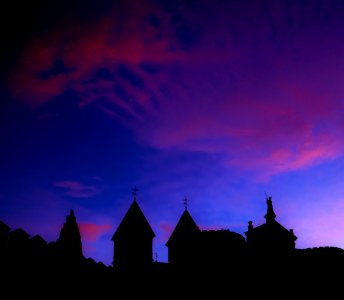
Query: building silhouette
point(271, 237)
point(188, 246)
point(200, 261)
point(133, 240)
point(221, 248)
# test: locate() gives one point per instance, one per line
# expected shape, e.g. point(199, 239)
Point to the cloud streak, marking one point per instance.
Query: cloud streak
point(91, 232)
point(77, 190)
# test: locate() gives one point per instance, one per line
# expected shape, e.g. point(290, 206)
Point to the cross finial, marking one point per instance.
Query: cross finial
point(134, 191)
point(186, 202)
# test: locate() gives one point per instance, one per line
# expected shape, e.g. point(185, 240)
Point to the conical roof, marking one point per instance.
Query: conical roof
point(185, 226)
point(133, 221)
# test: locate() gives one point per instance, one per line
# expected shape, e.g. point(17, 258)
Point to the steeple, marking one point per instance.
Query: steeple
point(270, 214)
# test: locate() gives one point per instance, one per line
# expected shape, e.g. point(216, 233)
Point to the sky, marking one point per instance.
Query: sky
point(222, 102)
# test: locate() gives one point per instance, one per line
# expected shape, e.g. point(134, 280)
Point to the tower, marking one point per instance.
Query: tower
point(133, 240)
point(182, 243)
point(271, 237)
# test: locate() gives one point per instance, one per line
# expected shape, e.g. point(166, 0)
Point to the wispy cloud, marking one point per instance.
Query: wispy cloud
point(77, 189)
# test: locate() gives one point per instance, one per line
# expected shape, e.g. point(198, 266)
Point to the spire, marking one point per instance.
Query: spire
point(270, 214)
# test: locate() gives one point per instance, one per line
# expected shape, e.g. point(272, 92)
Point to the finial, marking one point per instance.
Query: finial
point(186, 202)
point(134, 191)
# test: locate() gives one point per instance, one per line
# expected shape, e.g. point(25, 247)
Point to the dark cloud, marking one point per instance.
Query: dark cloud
point(130, 76)
point(104, 74)
point(58, 68)
point(151, 69)
point(154, 21)
point(21, 21)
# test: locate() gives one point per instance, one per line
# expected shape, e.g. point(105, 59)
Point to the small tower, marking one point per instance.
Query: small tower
point(133, 240)
point(182, 243)
point(270, 237)
point(69, 241)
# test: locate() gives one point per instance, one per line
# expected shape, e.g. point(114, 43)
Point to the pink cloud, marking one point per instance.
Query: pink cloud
point(91, 231)
point(83, 50)
point(253, 135)
point(77, 189)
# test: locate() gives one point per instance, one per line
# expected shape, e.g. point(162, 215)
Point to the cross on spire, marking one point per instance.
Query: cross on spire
point(134, 191)
point(186, 202)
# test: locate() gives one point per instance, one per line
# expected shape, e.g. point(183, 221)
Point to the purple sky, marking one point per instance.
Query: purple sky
point(219, 101)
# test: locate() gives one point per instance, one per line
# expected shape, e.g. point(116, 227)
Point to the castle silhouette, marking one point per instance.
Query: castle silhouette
point(269, 248)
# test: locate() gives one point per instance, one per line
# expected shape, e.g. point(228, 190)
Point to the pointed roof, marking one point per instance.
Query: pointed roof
point(133, 220)
point(185, 226)
point(270, 214)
